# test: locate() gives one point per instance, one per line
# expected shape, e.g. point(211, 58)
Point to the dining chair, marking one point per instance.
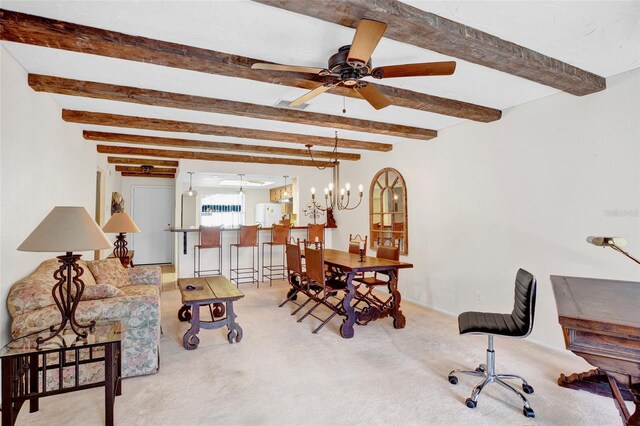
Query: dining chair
point(354, 244)
point(315, 233)
point(210, 238)
point(328, 287)
point(295, 273)
point(376, 280)
point(279, 238)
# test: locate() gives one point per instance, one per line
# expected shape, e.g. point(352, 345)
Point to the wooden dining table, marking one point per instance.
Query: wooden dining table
point(350, 265)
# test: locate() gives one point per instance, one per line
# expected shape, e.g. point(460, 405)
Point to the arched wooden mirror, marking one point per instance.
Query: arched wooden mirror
point(388, 210)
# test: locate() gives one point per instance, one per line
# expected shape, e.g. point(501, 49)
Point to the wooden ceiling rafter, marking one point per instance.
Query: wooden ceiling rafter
point(414, 26)
point(142, 161)
point(112, 92)
point(210, 145)
point(208, 156)
point(146, 123)
point(38, 31)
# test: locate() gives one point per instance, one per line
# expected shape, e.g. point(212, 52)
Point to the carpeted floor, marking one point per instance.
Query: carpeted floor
point(281, 374)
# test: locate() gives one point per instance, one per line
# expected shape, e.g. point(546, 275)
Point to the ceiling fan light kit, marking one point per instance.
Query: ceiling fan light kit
point(352, 63)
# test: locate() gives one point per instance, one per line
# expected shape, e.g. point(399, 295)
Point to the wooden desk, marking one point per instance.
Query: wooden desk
point(350, 265)
point(600, 321)
point(212, 292)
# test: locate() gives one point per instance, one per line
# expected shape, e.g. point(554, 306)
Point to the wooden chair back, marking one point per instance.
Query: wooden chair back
point(354, 244)
point(294, 259)
point(314, 260)
point(315, 231)
point(280, 234)
point(388, 252)
point(248, 235)
point(210, 236)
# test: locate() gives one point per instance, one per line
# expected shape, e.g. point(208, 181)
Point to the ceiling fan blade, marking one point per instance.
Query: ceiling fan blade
point(365, 40)
point(293, 68)
point(310, 95)
point(373, 96)
point(415, 70)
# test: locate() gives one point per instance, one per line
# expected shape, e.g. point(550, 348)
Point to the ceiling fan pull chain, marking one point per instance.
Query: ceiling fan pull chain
point(344, 105)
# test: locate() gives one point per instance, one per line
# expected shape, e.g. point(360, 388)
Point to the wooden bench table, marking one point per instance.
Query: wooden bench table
point(216, 293)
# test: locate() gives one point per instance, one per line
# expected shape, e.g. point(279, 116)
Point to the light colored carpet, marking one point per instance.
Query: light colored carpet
point(281, 374)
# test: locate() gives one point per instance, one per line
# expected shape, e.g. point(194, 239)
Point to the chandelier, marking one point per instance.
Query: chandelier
point(331, 199)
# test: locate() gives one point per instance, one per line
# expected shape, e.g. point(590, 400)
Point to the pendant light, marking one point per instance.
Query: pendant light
point(191, 192)
point(285, 194)
point(241, 175)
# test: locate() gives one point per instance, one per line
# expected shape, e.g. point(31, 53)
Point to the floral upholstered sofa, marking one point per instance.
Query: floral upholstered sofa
point(112, 293)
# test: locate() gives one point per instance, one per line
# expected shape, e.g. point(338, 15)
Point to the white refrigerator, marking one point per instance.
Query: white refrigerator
point(268, 213)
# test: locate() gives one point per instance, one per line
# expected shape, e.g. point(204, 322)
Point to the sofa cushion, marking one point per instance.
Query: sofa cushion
point(100, 291)
point(140, 290)
point(87, 276)
point(109, 271)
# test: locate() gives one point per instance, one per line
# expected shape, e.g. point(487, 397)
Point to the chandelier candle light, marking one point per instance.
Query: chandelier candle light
point(331, 201)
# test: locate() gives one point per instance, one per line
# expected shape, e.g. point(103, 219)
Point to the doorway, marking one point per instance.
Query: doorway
point(152, 209)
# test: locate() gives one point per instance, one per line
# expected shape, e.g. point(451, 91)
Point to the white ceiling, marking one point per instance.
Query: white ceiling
point(601, 37)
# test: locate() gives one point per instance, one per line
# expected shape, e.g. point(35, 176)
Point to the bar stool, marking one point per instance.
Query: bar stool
point(209, 239)
point(247, 238)
point(279, 237)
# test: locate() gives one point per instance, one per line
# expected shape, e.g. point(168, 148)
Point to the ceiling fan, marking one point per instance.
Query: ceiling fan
point(353, 62)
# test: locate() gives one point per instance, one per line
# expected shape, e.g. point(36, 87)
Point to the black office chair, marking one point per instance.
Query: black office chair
point(517, 324)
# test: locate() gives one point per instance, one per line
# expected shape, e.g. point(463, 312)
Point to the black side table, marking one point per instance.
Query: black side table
point(25, 367)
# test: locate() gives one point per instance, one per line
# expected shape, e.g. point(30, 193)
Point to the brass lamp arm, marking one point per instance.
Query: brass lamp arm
point(618, 249)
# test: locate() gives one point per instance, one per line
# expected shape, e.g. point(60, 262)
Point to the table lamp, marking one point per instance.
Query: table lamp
point(614, 243)
point(121, 223)
point(67, 229)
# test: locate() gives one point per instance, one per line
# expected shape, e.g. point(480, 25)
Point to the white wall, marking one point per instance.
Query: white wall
point(525, 191)
point(45, 163)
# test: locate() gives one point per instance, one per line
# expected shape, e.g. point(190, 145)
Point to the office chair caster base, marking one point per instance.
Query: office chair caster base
point(528, 389)
point(471, 403)
point(453, 380)
point(528, 412)
point(481, 369)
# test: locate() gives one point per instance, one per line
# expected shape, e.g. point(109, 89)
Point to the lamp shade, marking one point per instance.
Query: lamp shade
point(607, 241)
point(120, 222)
point(66, 229)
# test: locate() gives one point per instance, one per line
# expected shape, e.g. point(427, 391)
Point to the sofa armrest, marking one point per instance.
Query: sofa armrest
point(145, 275)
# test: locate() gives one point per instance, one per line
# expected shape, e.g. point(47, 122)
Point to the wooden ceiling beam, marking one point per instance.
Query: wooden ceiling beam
point(132, 122)
point(29, 29)
point(140, 169)
point(142, 161)
point(208, 156)
point(411, 25)
point(148, 175)
point(112, 92)
point(214, 146)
